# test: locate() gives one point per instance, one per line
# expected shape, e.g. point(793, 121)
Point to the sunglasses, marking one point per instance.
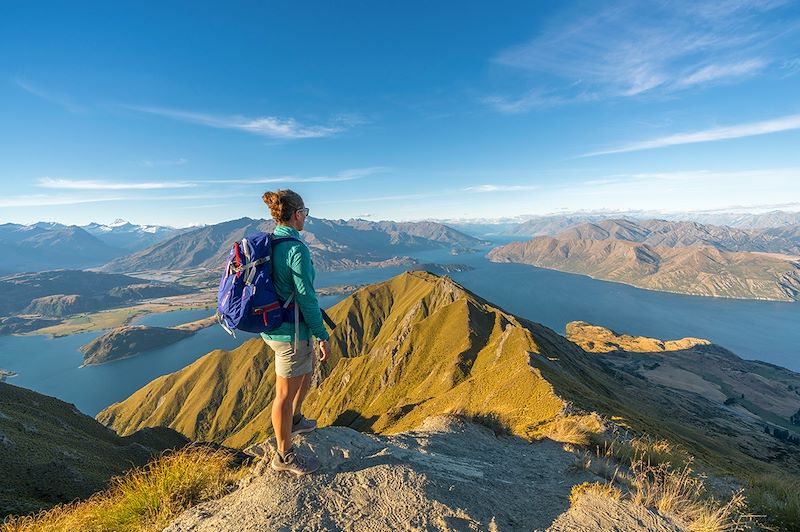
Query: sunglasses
point(304, 209)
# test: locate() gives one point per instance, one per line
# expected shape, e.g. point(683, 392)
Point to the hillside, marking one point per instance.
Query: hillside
point(419, 345)
point(334, 244)
point(764, 393)
point(51, 453)
point(124, 342)
point(60, 293)
point(694, 269)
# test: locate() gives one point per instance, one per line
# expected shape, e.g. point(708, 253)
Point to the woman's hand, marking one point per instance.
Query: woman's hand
point(324, 350)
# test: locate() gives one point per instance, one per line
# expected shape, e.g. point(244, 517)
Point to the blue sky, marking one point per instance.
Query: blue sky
point(186, 112)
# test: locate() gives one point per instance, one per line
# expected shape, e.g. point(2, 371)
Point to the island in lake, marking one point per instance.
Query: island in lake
point(125, 342)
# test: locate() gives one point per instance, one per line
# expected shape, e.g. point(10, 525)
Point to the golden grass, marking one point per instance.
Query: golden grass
point(642, 449)
point(574, 429)
point(682, 494)
point(657, 474)
point(596, 488)
point(144, 499)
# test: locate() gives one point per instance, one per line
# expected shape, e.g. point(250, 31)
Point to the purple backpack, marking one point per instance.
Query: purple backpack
point(247, 300)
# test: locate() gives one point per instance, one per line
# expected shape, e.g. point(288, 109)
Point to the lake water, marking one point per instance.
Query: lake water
point(768, 331)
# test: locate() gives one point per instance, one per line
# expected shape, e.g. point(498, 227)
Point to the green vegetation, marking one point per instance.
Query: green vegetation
point(50, 453)
point(144, 499)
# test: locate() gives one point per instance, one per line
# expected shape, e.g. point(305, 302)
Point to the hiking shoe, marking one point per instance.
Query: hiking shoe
point(304, 425)
point(295, 463)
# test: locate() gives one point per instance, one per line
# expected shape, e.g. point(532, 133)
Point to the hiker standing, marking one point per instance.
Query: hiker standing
point(293, 275)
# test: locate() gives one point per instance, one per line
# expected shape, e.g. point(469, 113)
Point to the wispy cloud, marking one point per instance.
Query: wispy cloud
point(499, 188)
point(82, 184)
point(711, 73)
point(786, 123)
point(180, 161)
point(48, 95)
point(49, 200)
point(345, 175)
point(267, 126)
point(628, 49)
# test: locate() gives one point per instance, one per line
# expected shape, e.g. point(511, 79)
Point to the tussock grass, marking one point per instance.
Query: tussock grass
point(642, 449)
point(777, 497)
point(681, 493)
point(574, 429)
point(657, 474)
point(596, 488)
point(144, 499)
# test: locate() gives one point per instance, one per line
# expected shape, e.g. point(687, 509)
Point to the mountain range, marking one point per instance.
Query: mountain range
point(334, 244)
point(681, 257)
point(49, 246)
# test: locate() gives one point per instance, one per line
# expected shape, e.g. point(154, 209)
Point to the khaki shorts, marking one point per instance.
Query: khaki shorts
point(290, 364)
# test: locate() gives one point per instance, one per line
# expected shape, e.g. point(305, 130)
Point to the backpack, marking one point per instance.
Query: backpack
point(246, 299)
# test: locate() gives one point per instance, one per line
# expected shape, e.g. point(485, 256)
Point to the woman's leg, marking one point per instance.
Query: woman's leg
point(297, 403)
point(286, 389)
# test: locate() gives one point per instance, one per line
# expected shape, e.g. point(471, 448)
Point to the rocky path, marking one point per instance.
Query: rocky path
point(447, 475)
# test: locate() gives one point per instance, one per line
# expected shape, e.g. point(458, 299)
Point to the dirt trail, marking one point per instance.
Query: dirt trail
point(447, 475)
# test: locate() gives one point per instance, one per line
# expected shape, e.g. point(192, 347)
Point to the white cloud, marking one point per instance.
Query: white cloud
point(345, 175)
point(711, 73)
point(79, 184)
point(268, 126)
point(499, 188)
point(785, 123)
point(180, 161)
point(626, 49)
point(47, 95)
point(41, 200)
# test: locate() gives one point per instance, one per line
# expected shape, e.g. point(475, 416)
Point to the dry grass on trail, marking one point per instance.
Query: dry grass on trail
point(597, 488)
point(144, 499)
point(574, 429)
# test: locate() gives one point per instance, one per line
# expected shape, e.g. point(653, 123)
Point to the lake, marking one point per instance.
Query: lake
point(768, 331)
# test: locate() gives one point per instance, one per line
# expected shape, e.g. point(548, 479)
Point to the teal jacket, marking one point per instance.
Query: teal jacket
point(293, 271)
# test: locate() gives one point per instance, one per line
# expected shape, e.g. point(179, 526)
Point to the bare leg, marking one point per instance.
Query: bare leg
point(297, 403)
point(285, 390)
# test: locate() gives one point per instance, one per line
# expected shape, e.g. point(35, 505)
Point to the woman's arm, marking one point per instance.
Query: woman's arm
point(299, 260)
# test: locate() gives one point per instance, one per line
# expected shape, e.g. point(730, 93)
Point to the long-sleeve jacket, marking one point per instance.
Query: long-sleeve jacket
point(293, 271)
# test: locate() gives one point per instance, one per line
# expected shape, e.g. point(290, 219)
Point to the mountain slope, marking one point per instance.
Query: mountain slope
point(695, 269)
point(48, 246)
point(419, 345)
point(682, 234)
point(414, 346)
point(64, 292)
point(334, 244)
point(51, 453)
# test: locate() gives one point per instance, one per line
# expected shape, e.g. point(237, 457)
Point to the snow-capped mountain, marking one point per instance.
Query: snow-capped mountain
point(125, 235)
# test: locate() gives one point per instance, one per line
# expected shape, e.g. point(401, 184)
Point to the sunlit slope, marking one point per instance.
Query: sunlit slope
point(410, 347)
point(211, 399)
point(698, 270)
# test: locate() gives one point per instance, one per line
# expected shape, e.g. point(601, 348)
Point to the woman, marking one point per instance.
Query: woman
point(293, 275)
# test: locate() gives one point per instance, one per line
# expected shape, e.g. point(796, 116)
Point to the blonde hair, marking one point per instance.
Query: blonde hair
point(283, 204)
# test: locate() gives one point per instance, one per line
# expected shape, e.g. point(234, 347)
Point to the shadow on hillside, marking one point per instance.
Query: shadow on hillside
point(355, 421)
